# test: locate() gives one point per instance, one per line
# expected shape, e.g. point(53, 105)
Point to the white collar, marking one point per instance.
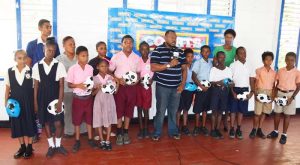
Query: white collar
point(26, 68)
point(40, 41)
point(52, 62)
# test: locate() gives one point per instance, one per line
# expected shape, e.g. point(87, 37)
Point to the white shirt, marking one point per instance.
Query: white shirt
point(241, 74)
point(60, 72)
point(218, 75)
point(19, 75)
point(39, 40)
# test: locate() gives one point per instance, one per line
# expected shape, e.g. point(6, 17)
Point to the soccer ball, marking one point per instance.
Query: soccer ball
point(146, 81)
point(227, 81)
point(263, 98)
point(242, 96)
point(281, 101)
point(13, 108)
point(89, 83)
point(109, 88)
point(52, 107)
point(190, 87)
point(130, 77)
point(205, 83)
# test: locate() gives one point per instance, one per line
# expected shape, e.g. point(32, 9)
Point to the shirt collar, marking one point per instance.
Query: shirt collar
point(25, 69)
point(40, 41)
point(66, 56)
point(52, 62)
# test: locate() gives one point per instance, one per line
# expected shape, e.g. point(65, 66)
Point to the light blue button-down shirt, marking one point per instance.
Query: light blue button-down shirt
point(202, 69)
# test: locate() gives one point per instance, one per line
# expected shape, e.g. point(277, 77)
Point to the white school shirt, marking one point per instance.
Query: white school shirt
point(217, 74)
point(60, 72)
point(241, 74)
point(19, 75)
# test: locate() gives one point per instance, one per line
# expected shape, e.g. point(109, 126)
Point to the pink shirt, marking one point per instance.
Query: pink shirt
point(121, 64)
point(265, 79)
point(77, 75)
point(288, 80)
point(144, 68)
point(104, 80)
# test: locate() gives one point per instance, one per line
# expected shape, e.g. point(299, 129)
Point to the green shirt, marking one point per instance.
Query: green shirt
point(230, 54)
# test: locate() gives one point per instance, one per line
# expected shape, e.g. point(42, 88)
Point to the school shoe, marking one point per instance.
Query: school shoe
point(76, 146)
point(146, 133)
point(204, 131)
point(225, 129)
point(260, 134)
point(19, 153)
point(196, 131)
point(219, 134)
point(185, 130)
point(126, 139)
point(155, 138)
point(50, 152)
point(214, 134)
point(272, 135)
point(140, 135)
point(119, 140)
point(239, 134)
point(283, 139)
point(92, 144)
point(175, 136)
point(28, 153)
point(231, 133)
point(253, 133)
point(108, 146)
point(62, 150)
point(102, 145)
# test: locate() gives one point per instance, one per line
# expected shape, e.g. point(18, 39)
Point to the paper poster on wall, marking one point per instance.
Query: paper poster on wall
point(193, 30)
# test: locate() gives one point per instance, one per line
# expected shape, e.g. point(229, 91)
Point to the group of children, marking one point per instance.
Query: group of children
point(35, 88)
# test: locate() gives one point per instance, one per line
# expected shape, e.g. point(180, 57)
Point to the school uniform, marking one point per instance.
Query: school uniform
point(82, 104)
point(202, 99)
point(219, 94)
point(48, 89)
point(287, 84)
point(126, 95)
point(94, 63)
point(241, 73)
point(186, 97)
point(21, 89)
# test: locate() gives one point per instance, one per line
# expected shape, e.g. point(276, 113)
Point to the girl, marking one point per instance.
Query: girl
point(104, 111)
point(19, 86)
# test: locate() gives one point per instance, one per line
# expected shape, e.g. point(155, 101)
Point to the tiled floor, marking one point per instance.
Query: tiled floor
point(188, 150)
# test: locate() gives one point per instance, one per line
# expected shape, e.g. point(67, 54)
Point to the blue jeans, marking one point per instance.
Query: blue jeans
point(166, 98)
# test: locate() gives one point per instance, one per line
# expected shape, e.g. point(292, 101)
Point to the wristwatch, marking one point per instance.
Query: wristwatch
point(168, 65)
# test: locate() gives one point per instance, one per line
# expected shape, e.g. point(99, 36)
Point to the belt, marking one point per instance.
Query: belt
point(287, 91)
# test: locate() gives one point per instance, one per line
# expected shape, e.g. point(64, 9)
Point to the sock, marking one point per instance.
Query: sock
point(77, 141)
point(51, 142)
point(23, 147)
point(57, 142)
point(126, 131)
point(107, 142)
point(276, 131)
point(29, 146)
point(119, 131)
point(284, 134)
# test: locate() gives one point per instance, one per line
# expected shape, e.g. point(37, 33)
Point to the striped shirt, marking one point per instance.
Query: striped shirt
point(171, 77)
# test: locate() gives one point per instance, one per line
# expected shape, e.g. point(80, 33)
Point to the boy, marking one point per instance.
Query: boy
point(101, 50)
point(144, 96)
point(219, 93)
point(242, 77)
point(201, 70)
point(186, 98)
point(288, 84)
point(264, 83)
point(48, 75)
point(82, 104)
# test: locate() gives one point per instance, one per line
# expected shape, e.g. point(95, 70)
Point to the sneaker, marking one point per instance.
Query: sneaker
point(176, 137)
point(155, 138)
point(283, 139)
point(253, 133)
point(76, 146)
point(196, 131)
point(108, 146)
point(260, 134)
point(231, 133)
point(205, 131)
point(140, 135)
point(146, 133)
point(219, 134)
point(272, 135)
point(214, 134)
point(19, 153)
point(102, 145)
point(62, 150)
point(92, 144)
point(119, 140)
point(50, 152)
point(126, 139)
point(185, 130)
point(28, 153)
point(239, 134)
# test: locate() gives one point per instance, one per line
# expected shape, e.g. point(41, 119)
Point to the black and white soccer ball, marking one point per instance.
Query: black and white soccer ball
point(130, 77)
point(52, 107)
point(263, 98)
point(242, 96)
point(145, 80)
point(109, 87)
point(89, 83)
point(205, 83)
point(281, 101)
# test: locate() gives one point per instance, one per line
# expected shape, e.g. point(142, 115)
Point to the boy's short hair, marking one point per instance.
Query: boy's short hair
point(266, 54)
point(205, 47)
point(291, 54)
point(66, 39)
point(100, 43)
point(237, 49)
point(20, 51)
point(50, 41)
point(80, 49)
point(220, 53)
point(230, 31)
point(169, 31)
point(143, 43)
point(187, 51)
point(42, 22)
point(127, 36)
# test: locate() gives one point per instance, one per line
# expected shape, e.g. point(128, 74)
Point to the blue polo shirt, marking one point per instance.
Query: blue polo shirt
point(202, 69)
point(35, 50)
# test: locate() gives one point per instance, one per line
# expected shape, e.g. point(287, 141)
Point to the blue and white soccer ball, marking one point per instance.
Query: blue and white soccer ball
point(52, 107)
point(13, 108)
point(263, 98)
point(130, 78)
point(227, 81)
point(281, 101)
